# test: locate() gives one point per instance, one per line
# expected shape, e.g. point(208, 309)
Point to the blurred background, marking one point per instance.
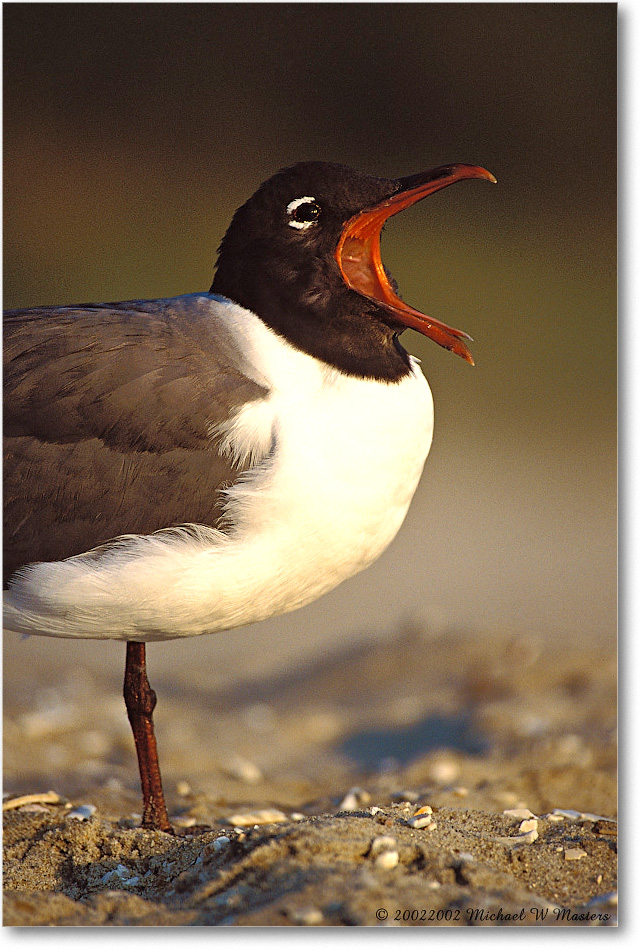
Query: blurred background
point(133, 131)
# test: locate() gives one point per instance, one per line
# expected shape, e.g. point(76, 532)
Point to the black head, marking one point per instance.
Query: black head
point(303, 253)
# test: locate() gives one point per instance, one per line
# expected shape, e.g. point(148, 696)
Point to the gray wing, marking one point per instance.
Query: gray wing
point(108, 413)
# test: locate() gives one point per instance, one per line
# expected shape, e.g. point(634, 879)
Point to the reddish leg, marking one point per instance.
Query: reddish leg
point(140, 700)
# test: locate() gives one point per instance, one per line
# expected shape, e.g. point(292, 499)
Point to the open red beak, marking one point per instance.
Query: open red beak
point(358, 252)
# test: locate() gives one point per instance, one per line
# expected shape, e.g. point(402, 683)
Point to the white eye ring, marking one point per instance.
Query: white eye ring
point(296, 203)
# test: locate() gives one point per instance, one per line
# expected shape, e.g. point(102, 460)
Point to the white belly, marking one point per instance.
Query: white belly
point(302, 520)
point(327, 513)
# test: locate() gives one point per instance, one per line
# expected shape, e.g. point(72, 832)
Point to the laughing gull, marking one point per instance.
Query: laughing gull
point(181, 466)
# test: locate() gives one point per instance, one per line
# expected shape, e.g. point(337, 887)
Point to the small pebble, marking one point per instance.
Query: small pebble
point(460, 791)
point(510, 798)
point(266, 816)
point(184, 821)
point(424, 810)
point(213, 847)
point(422, 818)
point(387, 860)
point(444, 771)
point(575, 854)
point(114, 784)
point(81, 812)
point(183, 788)
point(244, 770)
point(120, 872)
point(466, 857)
point(424, 821)
point(579, 815)
point(605, 827)
point(40, 798)
point(355, 798)
point(528, 833)
point(518, 813)
point(382, 843)
point(297, 816)
point(306, 916)
point(410, 796)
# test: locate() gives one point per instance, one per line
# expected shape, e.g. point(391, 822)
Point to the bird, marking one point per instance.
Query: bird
point(182, 466)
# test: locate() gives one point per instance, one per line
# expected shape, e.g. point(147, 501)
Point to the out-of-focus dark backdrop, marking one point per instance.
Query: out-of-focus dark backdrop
point(133, 131)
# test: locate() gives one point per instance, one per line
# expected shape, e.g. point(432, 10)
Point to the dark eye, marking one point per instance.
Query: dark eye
point(303, 212)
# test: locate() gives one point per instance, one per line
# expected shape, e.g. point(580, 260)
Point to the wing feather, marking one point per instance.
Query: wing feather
point(109, 411)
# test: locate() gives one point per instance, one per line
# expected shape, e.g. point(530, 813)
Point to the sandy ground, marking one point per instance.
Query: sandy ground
point(294, 796)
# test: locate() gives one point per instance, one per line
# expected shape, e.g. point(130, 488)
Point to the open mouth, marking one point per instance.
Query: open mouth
point(358, 252)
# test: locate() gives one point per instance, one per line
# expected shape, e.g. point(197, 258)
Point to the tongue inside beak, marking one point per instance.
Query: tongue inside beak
point(359, 253)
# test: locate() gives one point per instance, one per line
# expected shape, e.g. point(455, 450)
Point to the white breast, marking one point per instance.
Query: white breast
point(337, 464)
